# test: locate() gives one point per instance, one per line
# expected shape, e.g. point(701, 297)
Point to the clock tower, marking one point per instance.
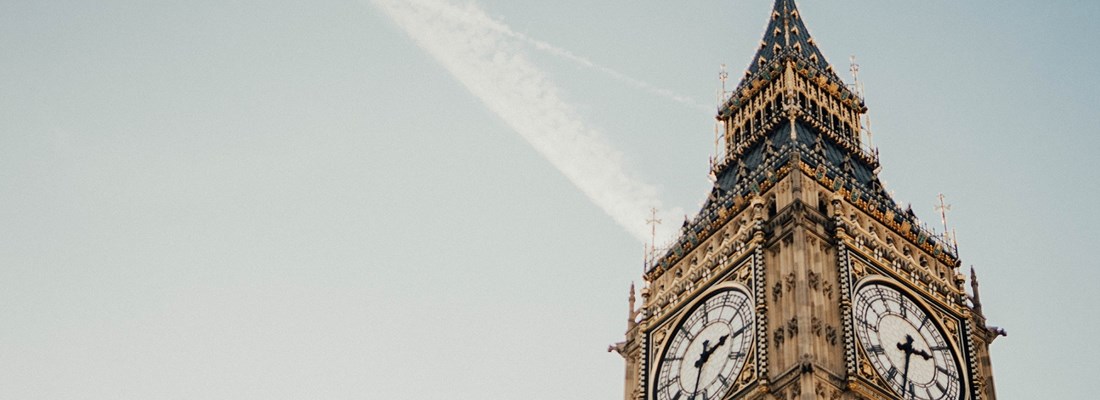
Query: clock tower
point(801, 278)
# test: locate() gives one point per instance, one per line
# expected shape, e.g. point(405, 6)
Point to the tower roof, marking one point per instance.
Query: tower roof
point(791, 113)
point(787, 37)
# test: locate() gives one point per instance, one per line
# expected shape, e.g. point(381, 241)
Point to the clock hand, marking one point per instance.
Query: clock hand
point(704, 355)
point(698, 372)
point(905, 375)
point(707, 352)
point(907, 347)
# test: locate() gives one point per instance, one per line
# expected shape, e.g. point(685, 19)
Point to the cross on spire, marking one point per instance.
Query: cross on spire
point(653, 221)
point(943, 208)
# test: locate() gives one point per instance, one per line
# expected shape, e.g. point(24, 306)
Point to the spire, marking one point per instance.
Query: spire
point(632, 314)
point(787, 37)
point(977, 298)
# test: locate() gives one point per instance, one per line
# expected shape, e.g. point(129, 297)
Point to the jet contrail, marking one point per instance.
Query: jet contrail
point(483, 21)
point(480, 53)
point(636, 83)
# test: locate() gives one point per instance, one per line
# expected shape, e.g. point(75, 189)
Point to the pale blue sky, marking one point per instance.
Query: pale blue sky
point(229, 200)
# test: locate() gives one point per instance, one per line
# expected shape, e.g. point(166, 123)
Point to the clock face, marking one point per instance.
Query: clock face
point(707, 350)
point(905, 346)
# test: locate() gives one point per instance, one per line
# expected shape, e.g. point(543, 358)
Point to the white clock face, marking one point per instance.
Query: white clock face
point(707, 350)
point(904, 345)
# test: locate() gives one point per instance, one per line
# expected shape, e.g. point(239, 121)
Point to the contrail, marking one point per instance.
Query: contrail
point(486, 22)
point(488, 61)
point(636, 83)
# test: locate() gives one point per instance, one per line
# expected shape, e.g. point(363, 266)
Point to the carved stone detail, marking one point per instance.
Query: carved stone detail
point(865, 369)
point(830, 335)
point(859, 269)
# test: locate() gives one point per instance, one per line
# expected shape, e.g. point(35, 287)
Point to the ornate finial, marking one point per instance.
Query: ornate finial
point(856, 86)
point(631, 312)
point(976, 298)
point(652, 222)
point(723, 76)
point(718, 158)
point(889, 192)
point(943, 208)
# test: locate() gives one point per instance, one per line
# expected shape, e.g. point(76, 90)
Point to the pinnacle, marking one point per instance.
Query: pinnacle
point(786, 37)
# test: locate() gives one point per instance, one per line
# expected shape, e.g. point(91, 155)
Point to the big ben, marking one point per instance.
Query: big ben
point(800, 277)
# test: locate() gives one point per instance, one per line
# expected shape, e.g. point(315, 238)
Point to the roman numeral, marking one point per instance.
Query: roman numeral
point(666, 384)
point(738, 332)
point(725, 381)
point(689, 336)
point(742, 305)
point(944, 370)
point(891, 373)
point(876, 349)
point(868, 326)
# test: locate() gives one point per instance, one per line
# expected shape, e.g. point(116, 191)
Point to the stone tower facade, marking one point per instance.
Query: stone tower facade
point(801, 278)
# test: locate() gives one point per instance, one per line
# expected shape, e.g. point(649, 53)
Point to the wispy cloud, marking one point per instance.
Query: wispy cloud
point(487, 57)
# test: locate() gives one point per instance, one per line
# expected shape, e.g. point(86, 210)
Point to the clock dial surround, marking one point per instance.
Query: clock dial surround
point(905, 344)
point(707, 349)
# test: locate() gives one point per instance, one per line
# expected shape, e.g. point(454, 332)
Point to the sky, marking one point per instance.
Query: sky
point(447, 198)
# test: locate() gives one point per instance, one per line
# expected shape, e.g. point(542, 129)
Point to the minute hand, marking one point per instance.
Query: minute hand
point(907, 347)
